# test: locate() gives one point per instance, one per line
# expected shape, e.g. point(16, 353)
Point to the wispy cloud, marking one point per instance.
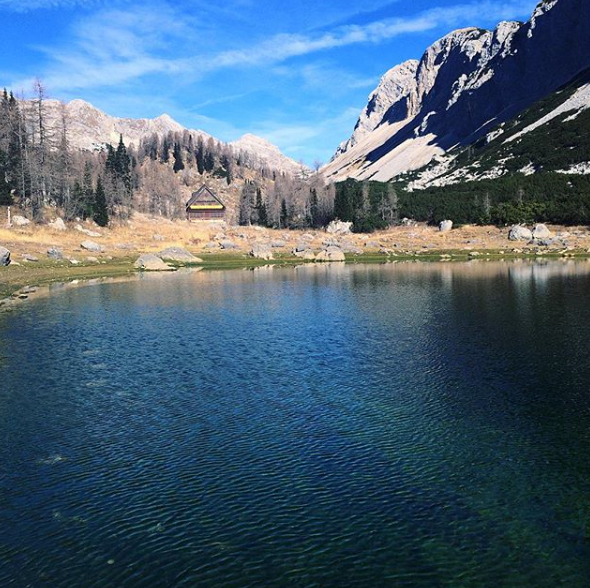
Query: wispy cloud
point(29, 5)
point(119, 45)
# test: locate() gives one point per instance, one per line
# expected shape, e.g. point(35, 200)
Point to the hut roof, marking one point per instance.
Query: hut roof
point(204, 197)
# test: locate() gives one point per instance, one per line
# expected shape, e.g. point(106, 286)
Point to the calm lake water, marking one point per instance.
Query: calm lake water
point(334, 427)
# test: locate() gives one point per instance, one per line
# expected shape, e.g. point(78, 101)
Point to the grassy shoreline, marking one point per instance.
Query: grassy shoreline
point(16, 278)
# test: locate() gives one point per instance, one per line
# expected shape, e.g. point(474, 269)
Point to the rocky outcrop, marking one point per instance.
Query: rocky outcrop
point(465, 84)
point(179, 255)
point(4, 256)
point(151, 263)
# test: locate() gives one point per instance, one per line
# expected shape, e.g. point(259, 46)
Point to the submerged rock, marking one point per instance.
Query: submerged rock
point(151, 263)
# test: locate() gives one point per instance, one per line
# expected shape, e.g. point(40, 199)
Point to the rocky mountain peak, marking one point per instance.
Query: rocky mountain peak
point(465, 83)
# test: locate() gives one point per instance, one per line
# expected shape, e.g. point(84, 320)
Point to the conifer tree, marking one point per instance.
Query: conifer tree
point(100, 212)
point(178, 163)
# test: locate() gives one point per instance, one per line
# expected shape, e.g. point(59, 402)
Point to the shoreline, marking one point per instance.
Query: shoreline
point(21, 283)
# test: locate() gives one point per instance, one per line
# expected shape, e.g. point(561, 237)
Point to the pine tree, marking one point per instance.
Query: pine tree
point(262, 214)
point(314, 208)
point(284, 216)
point(100, 212)
point(178, 163)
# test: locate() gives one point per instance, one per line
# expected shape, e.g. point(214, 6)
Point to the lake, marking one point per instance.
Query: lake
point(416, 425)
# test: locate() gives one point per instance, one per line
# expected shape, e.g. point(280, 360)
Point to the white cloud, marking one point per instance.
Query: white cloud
point(29, 5)
point(119, 45)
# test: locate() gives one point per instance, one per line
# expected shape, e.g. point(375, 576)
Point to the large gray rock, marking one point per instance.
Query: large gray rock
point(151, 263)
point(92, 246)
point(20, 221)
point(4, 256)
point(306, 254)
point(87, 232)
point(58, 224)
point(228, 245)
point(55, 253)
point(520, 233)
point(278, 244)
point(542, 232)
point(445, 226)
point(331, 254)
point(339, 228)
point(178, 254)
point(262, 251)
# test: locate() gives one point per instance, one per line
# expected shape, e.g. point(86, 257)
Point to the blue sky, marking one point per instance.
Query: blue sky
point(295, 72)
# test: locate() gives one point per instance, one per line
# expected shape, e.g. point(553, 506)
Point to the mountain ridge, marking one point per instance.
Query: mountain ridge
point(90, 128)
point(466, 83)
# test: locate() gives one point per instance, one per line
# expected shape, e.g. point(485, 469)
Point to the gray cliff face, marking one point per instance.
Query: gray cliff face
point(466, 83)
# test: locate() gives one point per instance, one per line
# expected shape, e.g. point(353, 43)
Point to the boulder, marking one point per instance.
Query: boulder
point(339, 228)
point(92, 246)
point(278, 244)
point(306, 254)
point(20, 221)
point(261, 251)
point(58, 224)
point(227, 244)
point(4, 256)
point(331, 254)
point(372, 245)
point(92, 259)
point(87, 232)
point(178, 254)
point(519, 233)
point(211, 245)
point(27, 257)
point(151, 263)
point(445, 226)
point(55, 253)
point(542, 232)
